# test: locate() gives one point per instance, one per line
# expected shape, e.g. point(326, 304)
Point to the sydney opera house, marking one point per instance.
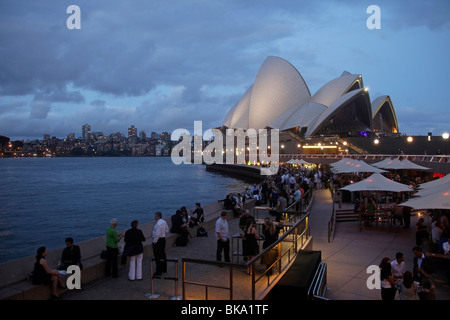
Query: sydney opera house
point(280, 99)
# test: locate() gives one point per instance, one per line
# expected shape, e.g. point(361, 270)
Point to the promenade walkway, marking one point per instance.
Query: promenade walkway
point(352, 251)
point(347, 258)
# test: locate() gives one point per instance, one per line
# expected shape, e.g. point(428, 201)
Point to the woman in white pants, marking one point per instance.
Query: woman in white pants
point(135, 250)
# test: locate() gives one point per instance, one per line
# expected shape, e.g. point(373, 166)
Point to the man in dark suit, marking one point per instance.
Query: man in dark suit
point(71, 255)
point(423, 266)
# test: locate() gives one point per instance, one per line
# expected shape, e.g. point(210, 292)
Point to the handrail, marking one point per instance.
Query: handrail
point(318, 284)
point(413, 157)
point(277, 244)
point(298, 240)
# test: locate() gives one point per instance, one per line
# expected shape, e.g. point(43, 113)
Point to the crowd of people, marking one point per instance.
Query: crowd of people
point(279, 191)
point(430, 256)
point(431, 250)
point(132, 249)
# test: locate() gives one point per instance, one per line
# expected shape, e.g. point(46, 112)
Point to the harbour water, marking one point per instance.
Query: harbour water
point(45, 200)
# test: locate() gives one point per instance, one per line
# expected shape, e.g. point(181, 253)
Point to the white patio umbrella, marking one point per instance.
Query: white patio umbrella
point(342, 164)
point(301, 161)
point(292, 161)
point(381, 163)
point(438, 200)
point(437, 188)
point(397, 164)
point(391, 164)
point(412, 166)
point(342, 161)
point(356, 166)
point(377, 182)
point(433, 183)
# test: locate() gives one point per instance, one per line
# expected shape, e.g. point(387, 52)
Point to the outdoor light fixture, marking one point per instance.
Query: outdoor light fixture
point(409, 139)
point(376, 141)
point(445, 135)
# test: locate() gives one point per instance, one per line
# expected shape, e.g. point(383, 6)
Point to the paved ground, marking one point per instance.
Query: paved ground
point(347, 258)
point(352, 251)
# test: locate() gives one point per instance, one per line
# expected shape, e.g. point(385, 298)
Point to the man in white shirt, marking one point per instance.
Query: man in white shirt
point(159, 244)
point(398, 266)
point(223, 241)
point(292, 182)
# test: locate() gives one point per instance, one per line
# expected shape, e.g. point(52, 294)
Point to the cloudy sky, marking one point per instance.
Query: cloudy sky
point(162, 64)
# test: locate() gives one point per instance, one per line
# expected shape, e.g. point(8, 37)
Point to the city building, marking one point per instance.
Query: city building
point(132, 132)
point(85, 132)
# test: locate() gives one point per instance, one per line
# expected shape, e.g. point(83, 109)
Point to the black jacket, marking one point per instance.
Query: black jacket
point(133, 242)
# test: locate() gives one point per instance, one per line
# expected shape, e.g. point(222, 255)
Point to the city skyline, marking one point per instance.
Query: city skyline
point(89, 130)
point(163, 65)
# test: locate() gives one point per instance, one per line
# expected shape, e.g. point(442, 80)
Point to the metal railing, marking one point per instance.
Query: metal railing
point(237, 285)
point(318, 287)
point(412, 157)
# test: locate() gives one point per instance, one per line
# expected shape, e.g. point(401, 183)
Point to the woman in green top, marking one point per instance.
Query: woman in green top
point(112, 239)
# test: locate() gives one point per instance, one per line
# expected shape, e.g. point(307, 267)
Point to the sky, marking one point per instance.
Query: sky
point(162, 64)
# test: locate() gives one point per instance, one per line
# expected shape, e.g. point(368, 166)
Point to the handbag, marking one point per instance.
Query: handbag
point(104, 254)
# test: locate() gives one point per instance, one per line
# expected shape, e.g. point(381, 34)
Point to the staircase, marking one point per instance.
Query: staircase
point(351, 146)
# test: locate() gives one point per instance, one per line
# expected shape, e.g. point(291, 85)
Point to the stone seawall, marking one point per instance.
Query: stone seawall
point(240, 170)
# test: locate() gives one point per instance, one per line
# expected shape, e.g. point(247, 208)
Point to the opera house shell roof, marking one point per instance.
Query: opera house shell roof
point(280, 99)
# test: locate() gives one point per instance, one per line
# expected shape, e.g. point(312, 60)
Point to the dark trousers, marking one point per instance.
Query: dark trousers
point(406, 219)
point(159, 251)
point(111, 262)
point(225, 247)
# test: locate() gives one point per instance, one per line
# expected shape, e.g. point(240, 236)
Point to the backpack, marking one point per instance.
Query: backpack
point(201, 232)
point(181, 241)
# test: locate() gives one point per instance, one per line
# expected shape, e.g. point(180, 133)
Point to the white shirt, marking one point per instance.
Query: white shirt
point(398, 269)
point(419, 261)
point(160, 230)
point(222, 228)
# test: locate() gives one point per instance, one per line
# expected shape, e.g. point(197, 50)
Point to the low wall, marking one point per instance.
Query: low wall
point(240, 170)
point(15, 283)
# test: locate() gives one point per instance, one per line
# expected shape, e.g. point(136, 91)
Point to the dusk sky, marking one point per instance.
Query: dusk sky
point(163, 64)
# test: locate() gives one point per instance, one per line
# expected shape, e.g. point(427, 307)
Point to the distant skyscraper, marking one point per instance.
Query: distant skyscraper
point(86, 131)
point(132, 132)
point(142, 135)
